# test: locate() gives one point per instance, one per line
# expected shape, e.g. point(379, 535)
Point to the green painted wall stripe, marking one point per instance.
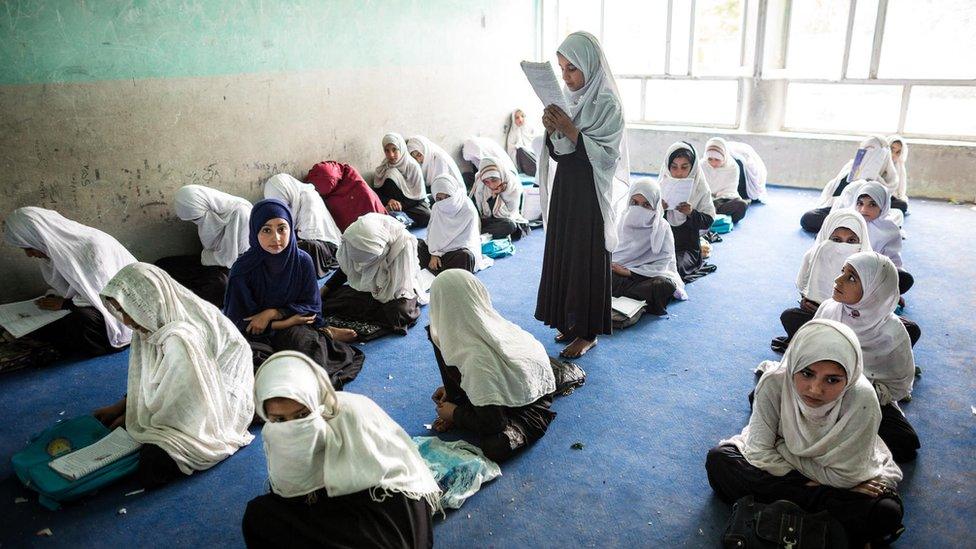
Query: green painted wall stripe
point(85, 41)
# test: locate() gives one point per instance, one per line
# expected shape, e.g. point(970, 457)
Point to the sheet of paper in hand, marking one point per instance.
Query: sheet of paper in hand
point(676, 191)
point(544, 82)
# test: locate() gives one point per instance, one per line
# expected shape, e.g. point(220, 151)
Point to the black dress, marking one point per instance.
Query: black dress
point(323, 255)
point(82, 332)
point(209, 282)
point(574, 291)
point(655, 290)
point(344, 302)
point(461, 258)
point(687, 245)
point(349, 521)
point(417, 210)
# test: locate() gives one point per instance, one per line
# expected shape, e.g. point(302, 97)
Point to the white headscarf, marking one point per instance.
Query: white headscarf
point(836, 444)
point(454, 222)
point(723, 181)
point(500, 363)
point(755, 168)
point(885, 234)
point(646, 242)
point(823, 262)
point(598, 113)
point(901, 193)
point(81, 260)
point(346, 445)
point(436, 160)
point(406, 173)
point(508, 202)
point(312, 219)
point(379, 256)
point(887, 349)
point(876, 165)
point(701, 194)
point(221, 219)
point(475, 149)
point(191, 380)
point(518, 137)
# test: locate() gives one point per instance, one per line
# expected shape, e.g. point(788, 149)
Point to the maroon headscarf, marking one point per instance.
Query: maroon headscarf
point(345, 192)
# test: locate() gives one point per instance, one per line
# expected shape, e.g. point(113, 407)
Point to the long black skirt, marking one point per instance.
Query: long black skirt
point(574, 291)
point(323, 255)
point(81, 333)
point(350, 521)
point(341, 361)
point(346, 303)
point(209, 282)
point(655, 290)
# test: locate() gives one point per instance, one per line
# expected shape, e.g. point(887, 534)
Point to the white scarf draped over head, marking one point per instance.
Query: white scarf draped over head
point(646, 242)
point(701, 194)
point(379, 256)
point(518, 137)
point(454, 223)
point(191, 378)
point(436, 160)
point(312, 219)
point(405, 172)
point(723, 181)
point(508, 202)
point(824, 261)
point(755, 168)
point(888, 360)
point(884, 231)
point(346, 445)
point(81, 260)
point(476, 149)
point(597, 111)
point(500, 363)
point(876, 165)
point(901, 193)
point(835, 444)
point(221, 219)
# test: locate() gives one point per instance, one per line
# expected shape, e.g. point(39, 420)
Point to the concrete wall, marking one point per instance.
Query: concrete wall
point(935, 170)
point(107, 108)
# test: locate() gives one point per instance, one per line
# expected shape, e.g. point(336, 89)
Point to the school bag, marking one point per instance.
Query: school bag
point(500, 247)
point(31, 463)
point(722, 224)
point(781, 524)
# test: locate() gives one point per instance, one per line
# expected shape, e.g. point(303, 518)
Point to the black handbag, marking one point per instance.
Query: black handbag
point(781, 524)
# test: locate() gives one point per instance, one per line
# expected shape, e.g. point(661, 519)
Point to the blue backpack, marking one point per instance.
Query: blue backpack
point(31, 463)
point(499, 247)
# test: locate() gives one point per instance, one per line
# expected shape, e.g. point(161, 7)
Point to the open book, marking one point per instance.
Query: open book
point(24, 317)
point(109, 449)
point(626, 306)
point(676, 191)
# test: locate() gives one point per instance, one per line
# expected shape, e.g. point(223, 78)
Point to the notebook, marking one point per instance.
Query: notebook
point(24, 317)
point(109, 449)
point(626, 306)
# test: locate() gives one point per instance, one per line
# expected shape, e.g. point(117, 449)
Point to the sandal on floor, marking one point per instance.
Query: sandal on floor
point(583, 352)
point(561, 338)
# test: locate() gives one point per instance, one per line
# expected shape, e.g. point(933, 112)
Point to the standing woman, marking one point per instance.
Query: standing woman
point(590, 150)
point(399, 181)
point(76, 262)
point(344, 191)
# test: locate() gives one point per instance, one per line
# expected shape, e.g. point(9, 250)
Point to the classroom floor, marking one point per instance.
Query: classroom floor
point(659, 395)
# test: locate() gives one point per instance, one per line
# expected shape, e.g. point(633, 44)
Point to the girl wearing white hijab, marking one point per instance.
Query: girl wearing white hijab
point(498, 379)
point(689, 218)
point(812, 439)
point(317, 233)
point(865, 295)
point(518, 143)
point(476, 149)
point(190, 385)
point(497, 192)
point(76, 262)
point(753, 170)
point(222, 224)
point(873, 203)
point(342, 472)
point(725, 179)
point(875, 165)
point(644, 266)
point(899, 155)
point(434, 160)
point(378, 258)
point(843, 234)
point(581, 209)
point(399, 181)
point(453, 238)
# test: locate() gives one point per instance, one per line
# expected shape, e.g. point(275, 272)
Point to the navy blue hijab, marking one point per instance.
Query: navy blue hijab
point(260, 280)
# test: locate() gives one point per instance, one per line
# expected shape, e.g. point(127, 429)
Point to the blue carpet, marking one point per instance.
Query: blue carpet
point(659, 396)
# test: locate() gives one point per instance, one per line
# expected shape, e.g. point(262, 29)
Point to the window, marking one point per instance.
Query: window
point(842, 107)
point(929, 39)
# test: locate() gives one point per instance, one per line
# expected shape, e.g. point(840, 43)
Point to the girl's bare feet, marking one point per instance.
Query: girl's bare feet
point(578, 348)
point(344, 335)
